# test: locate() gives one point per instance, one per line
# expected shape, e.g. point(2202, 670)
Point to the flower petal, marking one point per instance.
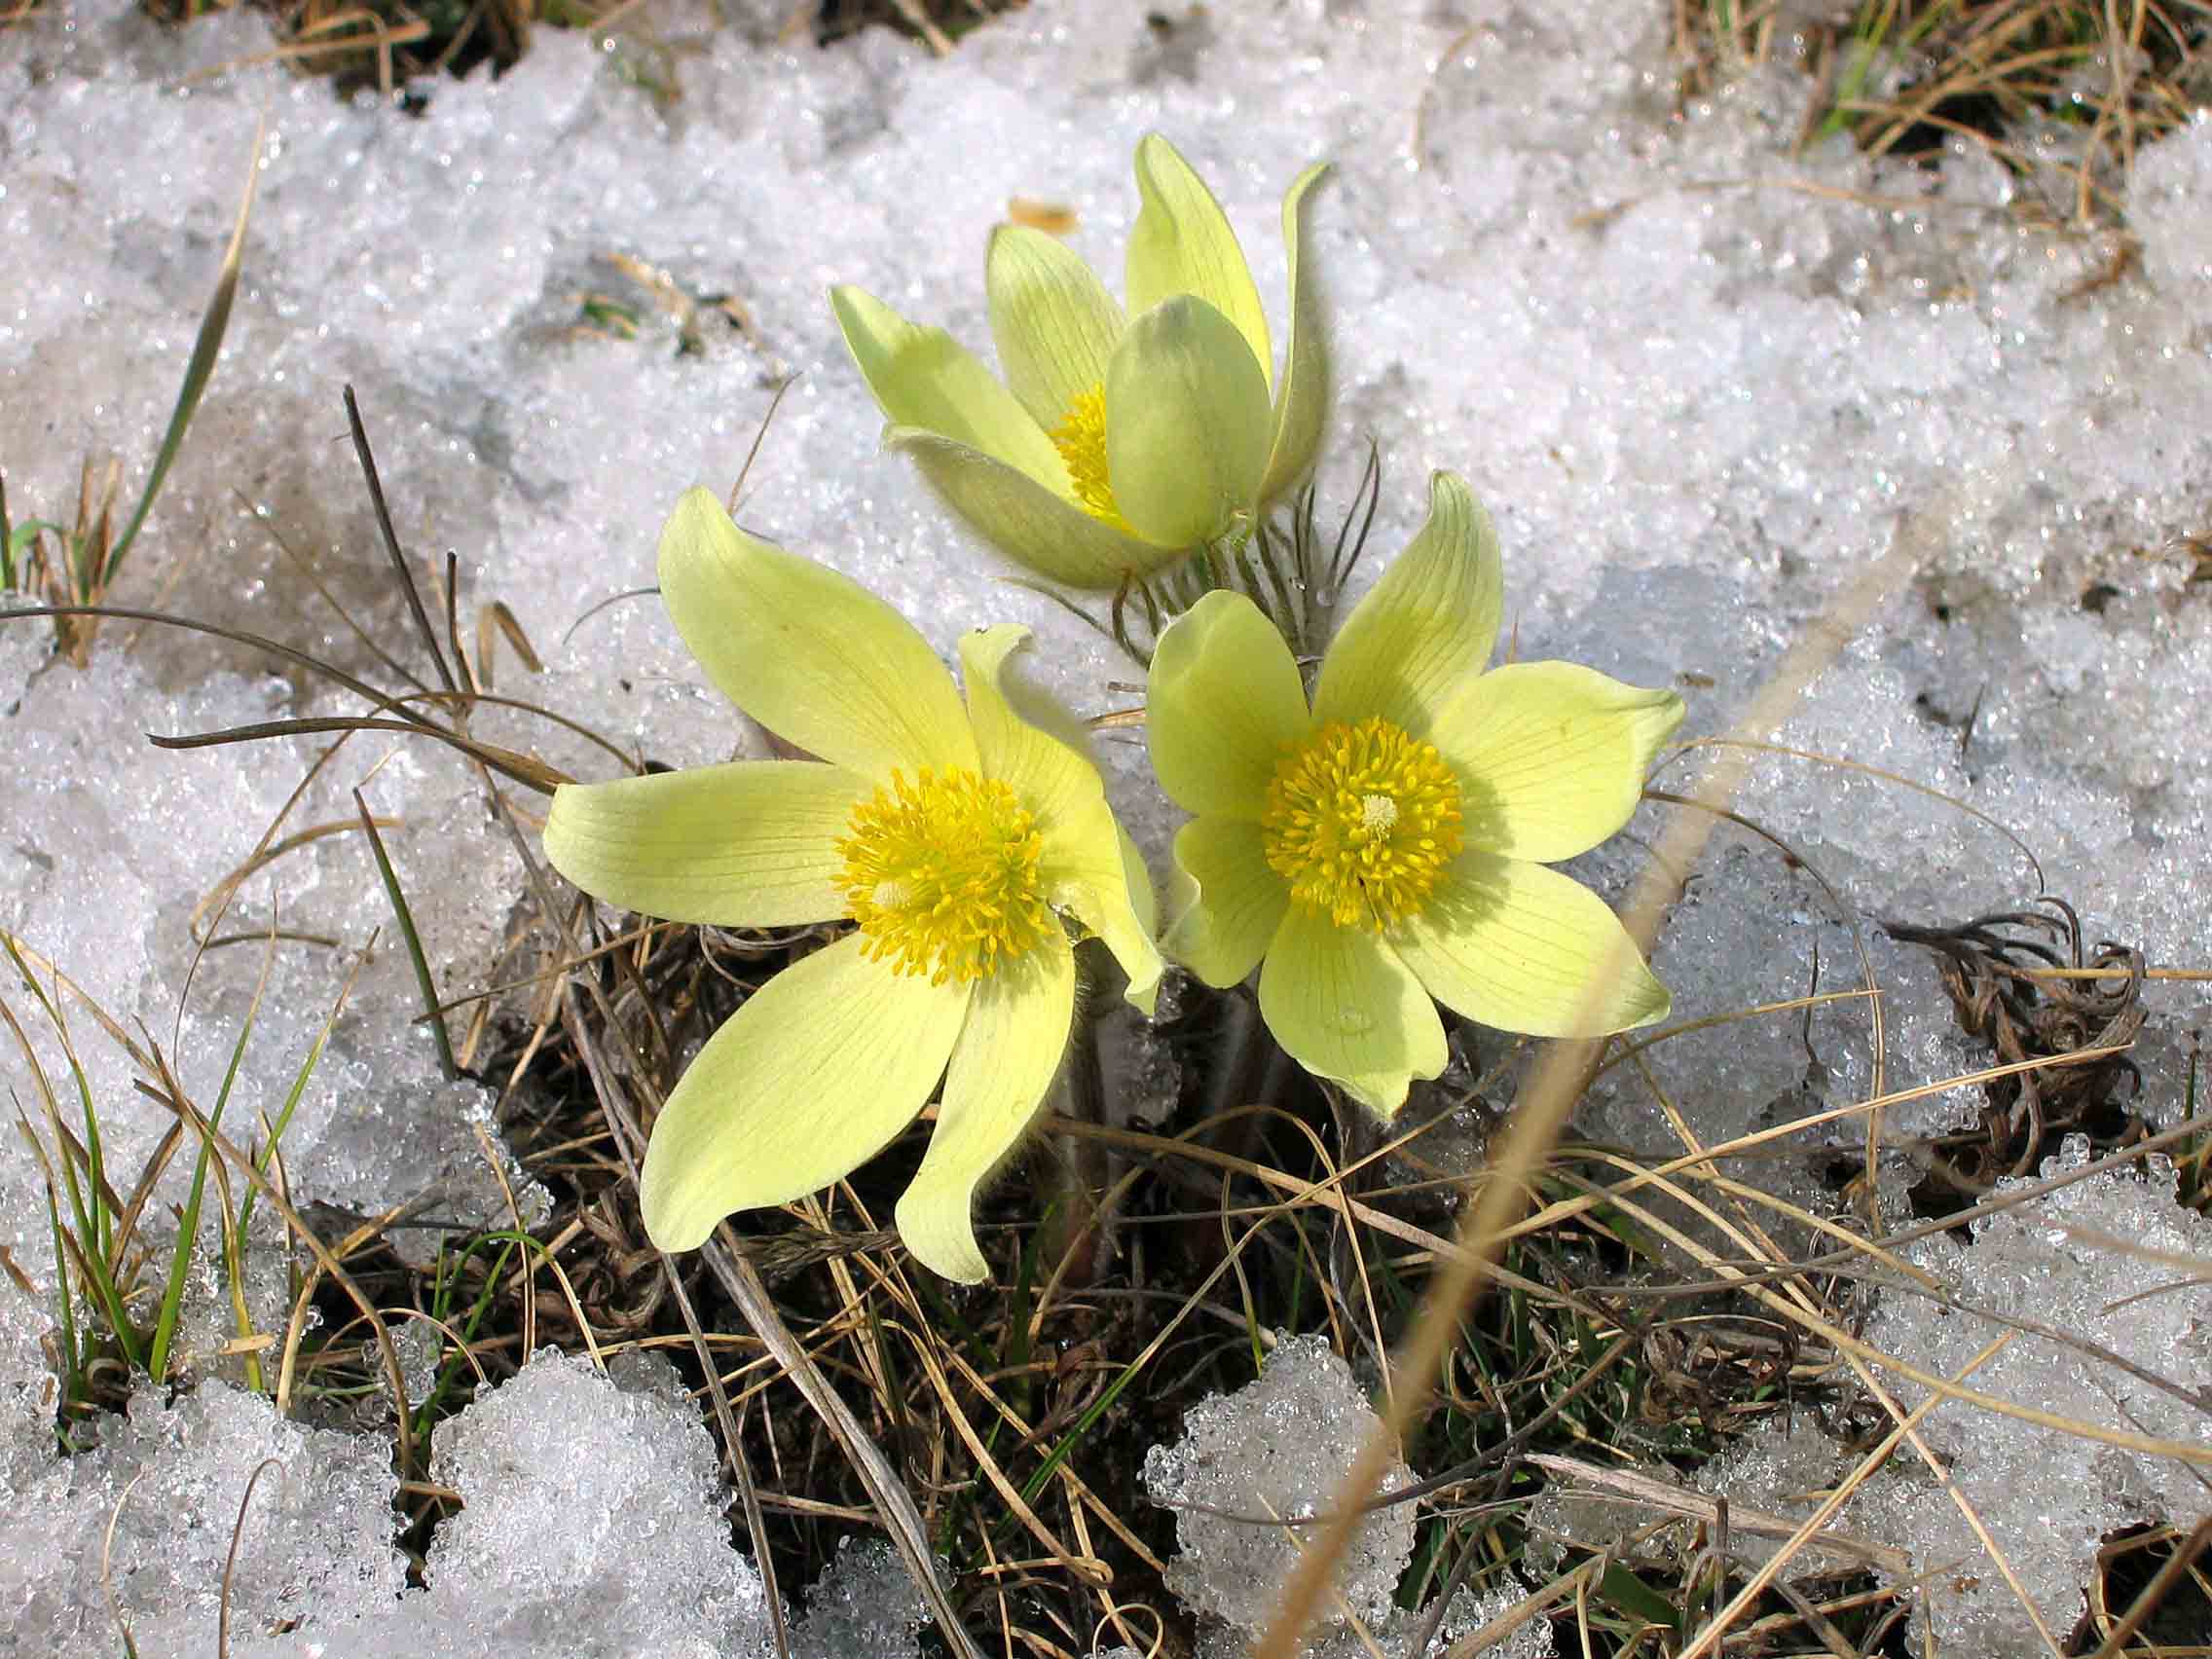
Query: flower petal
point(1053, 321)
point(1005, 1060)
point(810, 1078)
point(1187, 423)
point(1302, 396)
point(1520, 947)
point(1222, 703)
point(1235, 902)
point(1012, 723)
point(1181, 244)
point(1142, 898)
point(1429, 622)
point(1084, 866)
point(922, 377)
point(752, 843)
point(1344, 1006)
point(808, 652)
point(1029, 523)
point(1552, 755)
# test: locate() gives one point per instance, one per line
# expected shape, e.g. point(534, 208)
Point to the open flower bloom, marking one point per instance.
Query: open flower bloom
point(1120, 440)
point(1387, 845)
point(960, 838)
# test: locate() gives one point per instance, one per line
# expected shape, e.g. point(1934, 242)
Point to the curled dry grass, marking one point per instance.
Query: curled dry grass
point(2096, 78)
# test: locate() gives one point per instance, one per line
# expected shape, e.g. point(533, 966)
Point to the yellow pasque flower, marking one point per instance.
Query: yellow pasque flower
point(960, 839)
point(1387, 845)
point(1119, 441)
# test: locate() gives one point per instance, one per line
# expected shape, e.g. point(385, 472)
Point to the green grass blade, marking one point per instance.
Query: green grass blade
point(188, 1224)
point(201, 368)
point(73, 1387)
point(431, 1006)
point(292, 1102)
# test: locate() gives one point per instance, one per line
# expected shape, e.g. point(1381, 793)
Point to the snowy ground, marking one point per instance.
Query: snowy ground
point(1696, 416)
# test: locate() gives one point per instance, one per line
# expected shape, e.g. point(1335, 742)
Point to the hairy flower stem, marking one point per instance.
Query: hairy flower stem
point(1078, 1225)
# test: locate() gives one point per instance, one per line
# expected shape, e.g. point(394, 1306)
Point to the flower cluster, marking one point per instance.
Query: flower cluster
point(1372, 843)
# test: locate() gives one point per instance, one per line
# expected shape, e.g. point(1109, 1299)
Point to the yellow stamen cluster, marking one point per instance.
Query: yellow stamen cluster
point(1081, 439)
point(1361, 821)
point(941, 875)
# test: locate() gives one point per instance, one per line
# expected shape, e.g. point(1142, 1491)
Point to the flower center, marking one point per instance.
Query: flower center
point(941, 875)
point(1081, 439)
point(1361, 821)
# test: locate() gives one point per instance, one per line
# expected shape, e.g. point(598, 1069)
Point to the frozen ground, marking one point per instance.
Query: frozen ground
point(1696, 414)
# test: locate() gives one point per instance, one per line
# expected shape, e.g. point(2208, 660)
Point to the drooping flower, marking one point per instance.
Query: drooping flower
point(964, 841)
point(1120, 440)
point(1388, 843)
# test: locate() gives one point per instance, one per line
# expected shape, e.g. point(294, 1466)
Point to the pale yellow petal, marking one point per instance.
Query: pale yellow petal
point(922, 377)
point(1523, 948)
point(1053, 321)
point(749, 845)
point(1344, 1006)
point(813, 1076)
point(1082, 865)
point(1222, 704)
point(1044, 533)
point(1302, 395)
point(1142, 897)
point(1427, 623)
point(808, 652)
point(1013, 1044)
point(1187, 423)
point(1181, 244)
point(1552, 755)
point(1233, 901)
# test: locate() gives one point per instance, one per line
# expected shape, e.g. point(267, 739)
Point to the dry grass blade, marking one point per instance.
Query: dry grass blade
point(741, 1281)
point(2169, 1573)
point(1698, 1506)
point(524, 769)
point(1543, 1108)
point(231, 1559)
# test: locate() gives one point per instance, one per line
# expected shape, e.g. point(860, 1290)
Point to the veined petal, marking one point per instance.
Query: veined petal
point(748, 844)
point(1551, 756)
point(1009, 1049)
point(1053, 321)
point(806, 652)
point(1181, 244)
point(922, 377)
point(1222, 704)
point(1187, 422)
point(1047, 533)
point(1344, 1006)
point(1427, 623)
point(1523, 948)
point(1052, 777)
point(813, 1076)
point(1302, 395)
point(1235, 901)
point(1082, 864)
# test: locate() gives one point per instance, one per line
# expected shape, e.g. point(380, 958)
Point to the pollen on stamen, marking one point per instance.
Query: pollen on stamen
point(941, 873)
point(1361, 821)
point(1081, 439)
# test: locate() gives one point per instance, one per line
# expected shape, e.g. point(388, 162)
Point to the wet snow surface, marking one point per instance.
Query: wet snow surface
point(1700, 381)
